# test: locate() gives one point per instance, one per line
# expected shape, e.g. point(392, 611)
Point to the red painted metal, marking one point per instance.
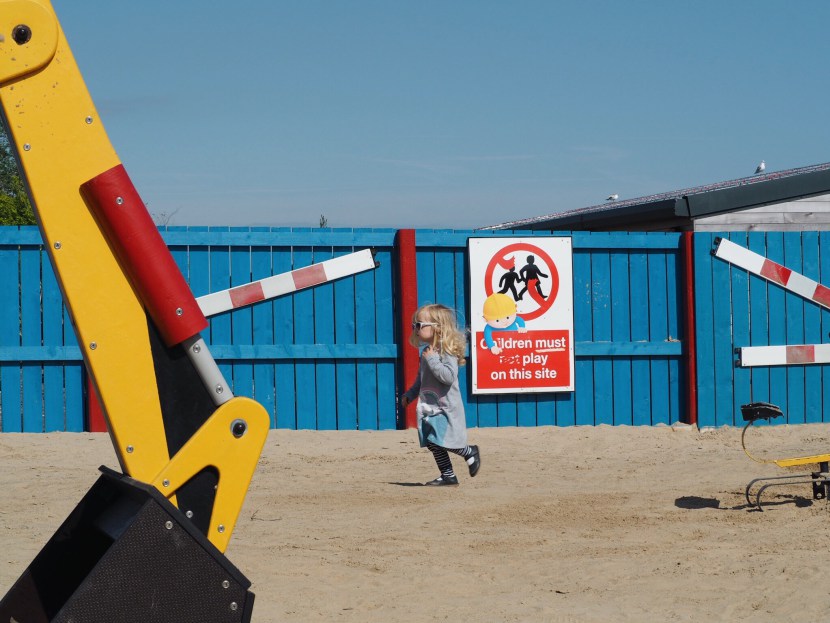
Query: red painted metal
point(822, 295)
point(142, 254)
point(246, 295)
point(408, 305)
point(691, 344)
point(309, 276)
point(775, 272)
point(95, 420)
point(804, 353)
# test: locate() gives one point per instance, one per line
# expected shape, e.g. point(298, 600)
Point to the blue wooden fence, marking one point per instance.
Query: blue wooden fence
point(323, 358)
point(327, 358)
point(41, 372)
point(736, 309)
point(626, 324)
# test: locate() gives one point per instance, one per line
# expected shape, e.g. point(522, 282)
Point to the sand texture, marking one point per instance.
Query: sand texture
point(562, 524)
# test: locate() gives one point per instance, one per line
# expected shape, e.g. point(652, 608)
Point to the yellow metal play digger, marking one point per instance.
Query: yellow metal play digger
point(146, 545)
point(819, 480)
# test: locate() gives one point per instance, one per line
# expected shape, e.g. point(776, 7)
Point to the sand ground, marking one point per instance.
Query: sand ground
point(575, 524)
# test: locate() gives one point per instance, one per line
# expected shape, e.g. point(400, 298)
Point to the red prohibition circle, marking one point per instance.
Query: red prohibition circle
point(518, 247)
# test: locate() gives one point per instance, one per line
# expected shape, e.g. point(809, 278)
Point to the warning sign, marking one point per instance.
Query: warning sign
point(521, 296)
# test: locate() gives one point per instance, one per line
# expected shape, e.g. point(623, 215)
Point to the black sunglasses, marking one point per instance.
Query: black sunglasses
point(419, 325)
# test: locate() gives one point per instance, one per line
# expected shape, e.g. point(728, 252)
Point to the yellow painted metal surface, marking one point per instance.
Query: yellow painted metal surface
point(19, 20)
point(62, 144)
point(234, 457)
point(802, 460)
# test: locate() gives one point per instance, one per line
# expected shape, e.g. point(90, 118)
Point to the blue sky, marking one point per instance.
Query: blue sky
point(445, 114)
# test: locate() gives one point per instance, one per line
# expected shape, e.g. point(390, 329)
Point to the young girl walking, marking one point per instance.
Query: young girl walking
point(442, 426)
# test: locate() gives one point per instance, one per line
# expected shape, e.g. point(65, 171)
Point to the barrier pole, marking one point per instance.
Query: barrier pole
point(689, 305)
point(407, 305)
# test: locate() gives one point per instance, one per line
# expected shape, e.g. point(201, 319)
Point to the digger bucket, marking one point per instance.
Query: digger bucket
point(127, 554)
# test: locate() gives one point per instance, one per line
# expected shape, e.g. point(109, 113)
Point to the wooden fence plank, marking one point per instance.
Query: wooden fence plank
point(262, 317)
point(306, 396)
point(794, 321)
point(10, 404)
point(425, 260)
point(344, 333)
point(759, 317)
point(777, 326)
point(74, 382)
point(583, 332)
point(220, 279)
point(507, 413)
point(53, 373)
point(658, 331)
point(704, 315)
point(640, 368)
point(286, 414)
point(385, 334)
point(676, 411)
point(526, 410)
point(812, 328)
point(367, 373)
point(324, 334)
point(242, 322)
point(601, 325)
point(31, 335)
point(740, 329)
point(621, 294)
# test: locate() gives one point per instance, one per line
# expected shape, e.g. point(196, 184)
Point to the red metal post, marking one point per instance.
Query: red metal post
point(143, 255)
point(689, 304)
point(407, 305)
point(95, 420)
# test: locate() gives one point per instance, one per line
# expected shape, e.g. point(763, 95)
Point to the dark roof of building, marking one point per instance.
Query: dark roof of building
point(689, 203)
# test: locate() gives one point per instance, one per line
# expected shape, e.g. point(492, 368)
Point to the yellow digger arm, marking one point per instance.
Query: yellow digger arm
point(136, 321)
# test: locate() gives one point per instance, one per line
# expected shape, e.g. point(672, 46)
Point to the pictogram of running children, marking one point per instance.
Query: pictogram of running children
point(530, 274)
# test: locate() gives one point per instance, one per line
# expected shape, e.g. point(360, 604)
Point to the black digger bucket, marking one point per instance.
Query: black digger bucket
point(126, 554)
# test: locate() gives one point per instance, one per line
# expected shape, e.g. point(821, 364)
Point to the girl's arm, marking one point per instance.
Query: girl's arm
point(412, 393)
point(444, 368)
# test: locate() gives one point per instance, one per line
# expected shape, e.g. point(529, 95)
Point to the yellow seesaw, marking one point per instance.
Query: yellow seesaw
point(820, 480)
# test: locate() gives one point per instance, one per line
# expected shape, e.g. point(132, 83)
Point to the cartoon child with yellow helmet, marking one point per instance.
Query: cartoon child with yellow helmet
point(500, 314)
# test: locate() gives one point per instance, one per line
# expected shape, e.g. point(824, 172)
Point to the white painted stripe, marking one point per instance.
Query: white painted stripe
point(801, 286)
point(740, 256)
point(349, 264)
point(754, 263)
point(279, 285)
point(275, 286)
point(216, 303)
point(752, 356)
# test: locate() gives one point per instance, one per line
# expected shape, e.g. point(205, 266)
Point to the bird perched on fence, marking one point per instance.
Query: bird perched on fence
point(613, 197)
point(760, 168)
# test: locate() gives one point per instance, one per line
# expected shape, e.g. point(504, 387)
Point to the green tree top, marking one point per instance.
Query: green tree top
point(15, 207)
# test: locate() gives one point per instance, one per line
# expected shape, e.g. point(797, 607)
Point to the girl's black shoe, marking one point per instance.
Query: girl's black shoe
point(475, 465)
point(443, 481)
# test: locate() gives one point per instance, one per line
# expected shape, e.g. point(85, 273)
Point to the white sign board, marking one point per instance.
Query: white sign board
point(521, 314)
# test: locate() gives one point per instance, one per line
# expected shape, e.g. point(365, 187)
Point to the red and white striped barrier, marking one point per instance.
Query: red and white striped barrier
point(783, 276)
point(796, 355)
point(285, 283)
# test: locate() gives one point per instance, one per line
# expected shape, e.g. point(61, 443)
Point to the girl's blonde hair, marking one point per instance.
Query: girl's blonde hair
point(446, 337)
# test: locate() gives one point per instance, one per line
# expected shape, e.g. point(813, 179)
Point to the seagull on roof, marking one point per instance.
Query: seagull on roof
point(613, 197)
point(760, 168)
